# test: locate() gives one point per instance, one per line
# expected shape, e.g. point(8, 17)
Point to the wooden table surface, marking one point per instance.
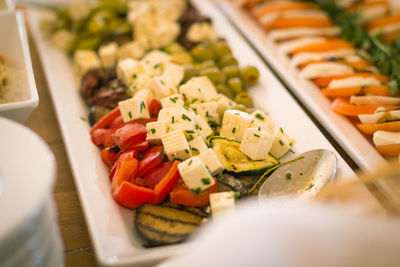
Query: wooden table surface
point(77, 245)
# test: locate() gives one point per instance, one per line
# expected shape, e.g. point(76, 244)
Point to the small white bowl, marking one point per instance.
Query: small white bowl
point(15, 49)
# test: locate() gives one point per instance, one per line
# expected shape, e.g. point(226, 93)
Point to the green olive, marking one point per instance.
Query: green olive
point(201, 53)
point(249, 75)
point(220, 49)
point(190, 71)
point(241, 108)
point(181, 58)
point(206, 64)
point(236, 85)
point(231, 71)
point(223, 89)
point(90, 43)
point(174, 48)
point(215, 75)
point(244, 99)
point(228, 60)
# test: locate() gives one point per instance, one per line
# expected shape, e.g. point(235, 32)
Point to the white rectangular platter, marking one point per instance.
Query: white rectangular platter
point(111, 226)
point(345, 133)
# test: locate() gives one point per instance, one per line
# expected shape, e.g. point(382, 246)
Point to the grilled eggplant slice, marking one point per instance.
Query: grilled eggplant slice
point(166, 224)
point(229, 183)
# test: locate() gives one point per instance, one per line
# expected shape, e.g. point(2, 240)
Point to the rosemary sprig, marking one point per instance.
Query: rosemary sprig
point(385, 57)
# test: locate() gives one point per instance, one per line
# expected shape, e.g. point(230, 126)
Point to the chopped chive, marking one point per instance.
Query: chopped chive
point(280, 142)
point(233, 130)
point(236, 195)
point(291, 143)
point(142, 106)
point(187, 151)
point(83, 118)
point(186, 107)
point(130, 115)
point(196, 190)
point(259, 116)
point(173, 119)
point(288, 176)
point(153, 130)
point(194, 100)
point(259, 128)
point(134, 76)
point(199, 89)
point(195, 149)
point(206, 181)
point(281, 130)
point(190, 162)
point(186, 117)
point(291, 151)
point(172, 100)
point(156, 66)
point(162, 82)
point(197, 126)
point(190, 131)
point(208, 115)
point(256, 135)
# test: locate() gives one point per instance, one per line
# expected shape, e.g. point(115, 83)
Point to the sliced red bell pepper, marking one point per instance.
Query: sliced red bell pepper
point(152, 159)
point(180, 194)
point(342, 106)
point(121, 156)
point(144, 145)
point(155, 176)
point(106, 119)
point(128, 134)
point(107, 139)
point(117, 122)
point(97, 136)
point(108, 157)
point(162, 189)
point(154, 107)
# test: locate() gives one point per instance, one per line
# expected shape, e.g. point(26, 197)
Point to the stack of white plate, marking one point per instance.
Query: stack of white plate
point(29, 235)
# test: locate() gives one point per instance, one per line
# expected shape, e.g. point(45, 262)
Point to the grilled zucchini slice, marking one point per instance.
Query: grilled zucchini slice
point(235, 161)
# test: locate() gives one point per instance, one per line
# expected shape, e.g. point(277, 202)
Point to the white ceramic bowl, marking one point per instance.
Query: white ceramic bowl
point(15, 49)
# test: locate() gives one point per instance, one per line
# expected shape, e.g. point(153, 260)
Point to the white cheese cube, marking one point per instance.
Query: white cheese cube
point(155, 130)
point(202, 127)
point(175, 145)
point(162, 87)
point(197, 145)
point(281, 145)
point(222, 201)
point(198, 89)
point(262, 120)
point(208, 111)
point(128, 70)
point(108, 54)
point(147, 94)
point(141, 82)
point(175, 100)
point(84, 60)
point(235, 124)
point(201, 31)
point(210, 159)
point(134, 108)
point(182, 119)
point(224, 103)
point(195, 174)
point(256, 143)
point(175, 72)
point(153, 62)
point(131, 50)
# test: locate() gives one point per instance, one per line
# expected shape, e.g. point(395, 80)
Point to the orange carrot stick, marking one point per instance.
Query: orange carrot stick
point(389, 150)
point(369, 129)
point(344, 92)
point(298, 22)
point(324, 81)
point(323, 47)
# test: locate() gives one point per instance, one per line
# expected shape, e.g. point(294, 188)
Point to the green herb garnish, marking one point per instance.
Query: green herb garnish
point(186, 117)
point(206, 181)
point(259, 116)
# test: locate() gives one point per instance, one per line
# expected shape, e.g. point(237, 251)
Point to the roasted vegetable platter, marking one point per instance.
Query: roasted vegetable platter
point(114, 231)
point(340, 111)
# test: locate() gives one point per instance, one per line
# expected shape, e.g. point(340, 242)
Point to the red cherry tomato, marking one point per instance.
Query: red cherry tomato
point(154, 107)
point(128, 134)
point(155, 176)
point(152, 159)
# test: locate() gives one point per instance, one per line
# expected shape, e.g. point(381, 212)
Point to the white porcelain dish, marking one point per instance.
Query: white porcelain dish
point(345, 133)
point(15, 49)
point(110, 225)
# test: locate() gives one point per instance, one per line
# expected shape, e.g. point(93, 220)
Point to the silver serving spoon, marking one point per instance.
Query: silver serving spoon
point(302, 178)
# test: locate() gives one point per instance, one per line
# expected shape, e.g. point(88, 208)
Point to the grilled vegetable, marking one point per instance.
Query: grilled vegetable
point(229, 183)
point(167, 223)
point(235, 161)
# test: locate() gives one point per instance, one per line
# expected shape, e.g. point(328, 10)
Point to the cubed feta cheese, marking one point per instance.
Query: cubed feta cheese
point(141, 82)
point(153, 62)
point(210, 159)
point(131, 50)
point(175, 100)
point(202, 127)
point(183, 119)
point(197, 145)
point(155, 130)
point(256, 143)
point(208, 111)
point(145, 93)
point(175, 72)
point(162, 87)
point(134, 108)
point(262, 120)
point(224, 103)
point(201, 31)
point(234, 124)
point(108, 54)
point(84, 60)
point(281, 145)
point(195, 174)
point(175, 145)
point(198, 89)
point(222, 201)
point(128, 70)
